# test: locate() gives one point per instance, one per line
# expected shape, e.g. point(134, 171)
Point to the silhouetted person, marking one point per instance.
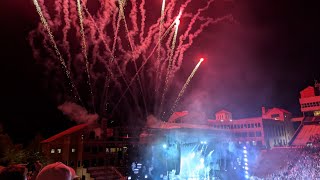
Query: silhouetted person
point(14, 172)
point(57, 171)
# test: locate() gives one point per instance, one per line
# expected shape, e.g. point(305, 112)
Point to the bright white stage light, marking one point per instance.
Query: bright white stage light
point(164, 146)
point(202, 160)
point(246, 168)
point(245, 151)
point(245, 159)
point(129, 177)
point(247, 176)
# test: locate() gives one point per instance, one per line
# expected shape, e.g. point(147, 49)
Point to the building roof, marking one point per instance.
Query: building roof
point(282, 110)
point(66, 132)
point(222, 111)
point(297, 119)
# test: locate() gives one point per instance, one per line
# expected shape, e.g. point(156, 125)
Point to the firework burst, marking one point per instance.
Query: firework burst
point(104, 51)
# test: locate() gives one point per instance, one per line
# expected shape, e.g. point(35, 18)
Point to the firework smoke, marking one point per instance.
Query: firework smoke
point(77, 113)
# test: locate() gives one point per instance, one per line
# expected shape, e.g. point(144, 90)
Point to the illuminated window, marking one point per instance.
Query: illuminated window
point(316, 113)
point(113, 150)
point(73, 150)
point(52, 151)
point(59, 151)
point(107, 150)
point(254, 143)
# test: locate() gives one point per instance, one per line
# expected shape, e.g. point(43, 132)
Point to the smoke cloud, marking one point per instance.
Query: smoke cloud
point(153, 122)
point(77, 113)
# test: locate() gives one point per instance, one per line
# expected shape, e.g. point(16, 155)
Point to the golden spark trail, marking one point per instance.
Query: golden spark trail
point(53, 43)
point(116, 34)
point(84, 51)
point(160, 32)
point(139, 70)
point(185, 85)
point(125, 22)
point(170, 63)
point(132, 49)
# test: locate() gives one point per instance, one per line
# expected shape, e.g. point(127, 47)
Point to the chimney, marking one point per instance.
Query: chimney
point(263, 109)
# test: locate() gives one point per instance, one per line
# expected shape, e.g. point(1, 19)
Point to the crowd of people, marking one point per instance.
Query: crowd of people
point(54, 171)
point(305, 166)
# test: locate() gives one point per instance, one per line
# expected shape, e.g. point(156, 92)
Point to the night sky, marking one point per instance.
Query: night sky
point(264, 60)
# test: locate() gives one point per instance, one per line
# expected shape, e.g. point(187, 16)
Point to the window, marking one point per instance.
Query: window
point(241, 125)
point(86, 163)
point(244, 134)
point(259, 125)
point(113, 150)
point(248, 125)
point(258, 134)
point(73, 150)
point(316, 113)
point(59, 151)
point(94, 162)
point(52, 151)
point(254, 143)
point(245, 125)
point(251, 134)
point(275, 116)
